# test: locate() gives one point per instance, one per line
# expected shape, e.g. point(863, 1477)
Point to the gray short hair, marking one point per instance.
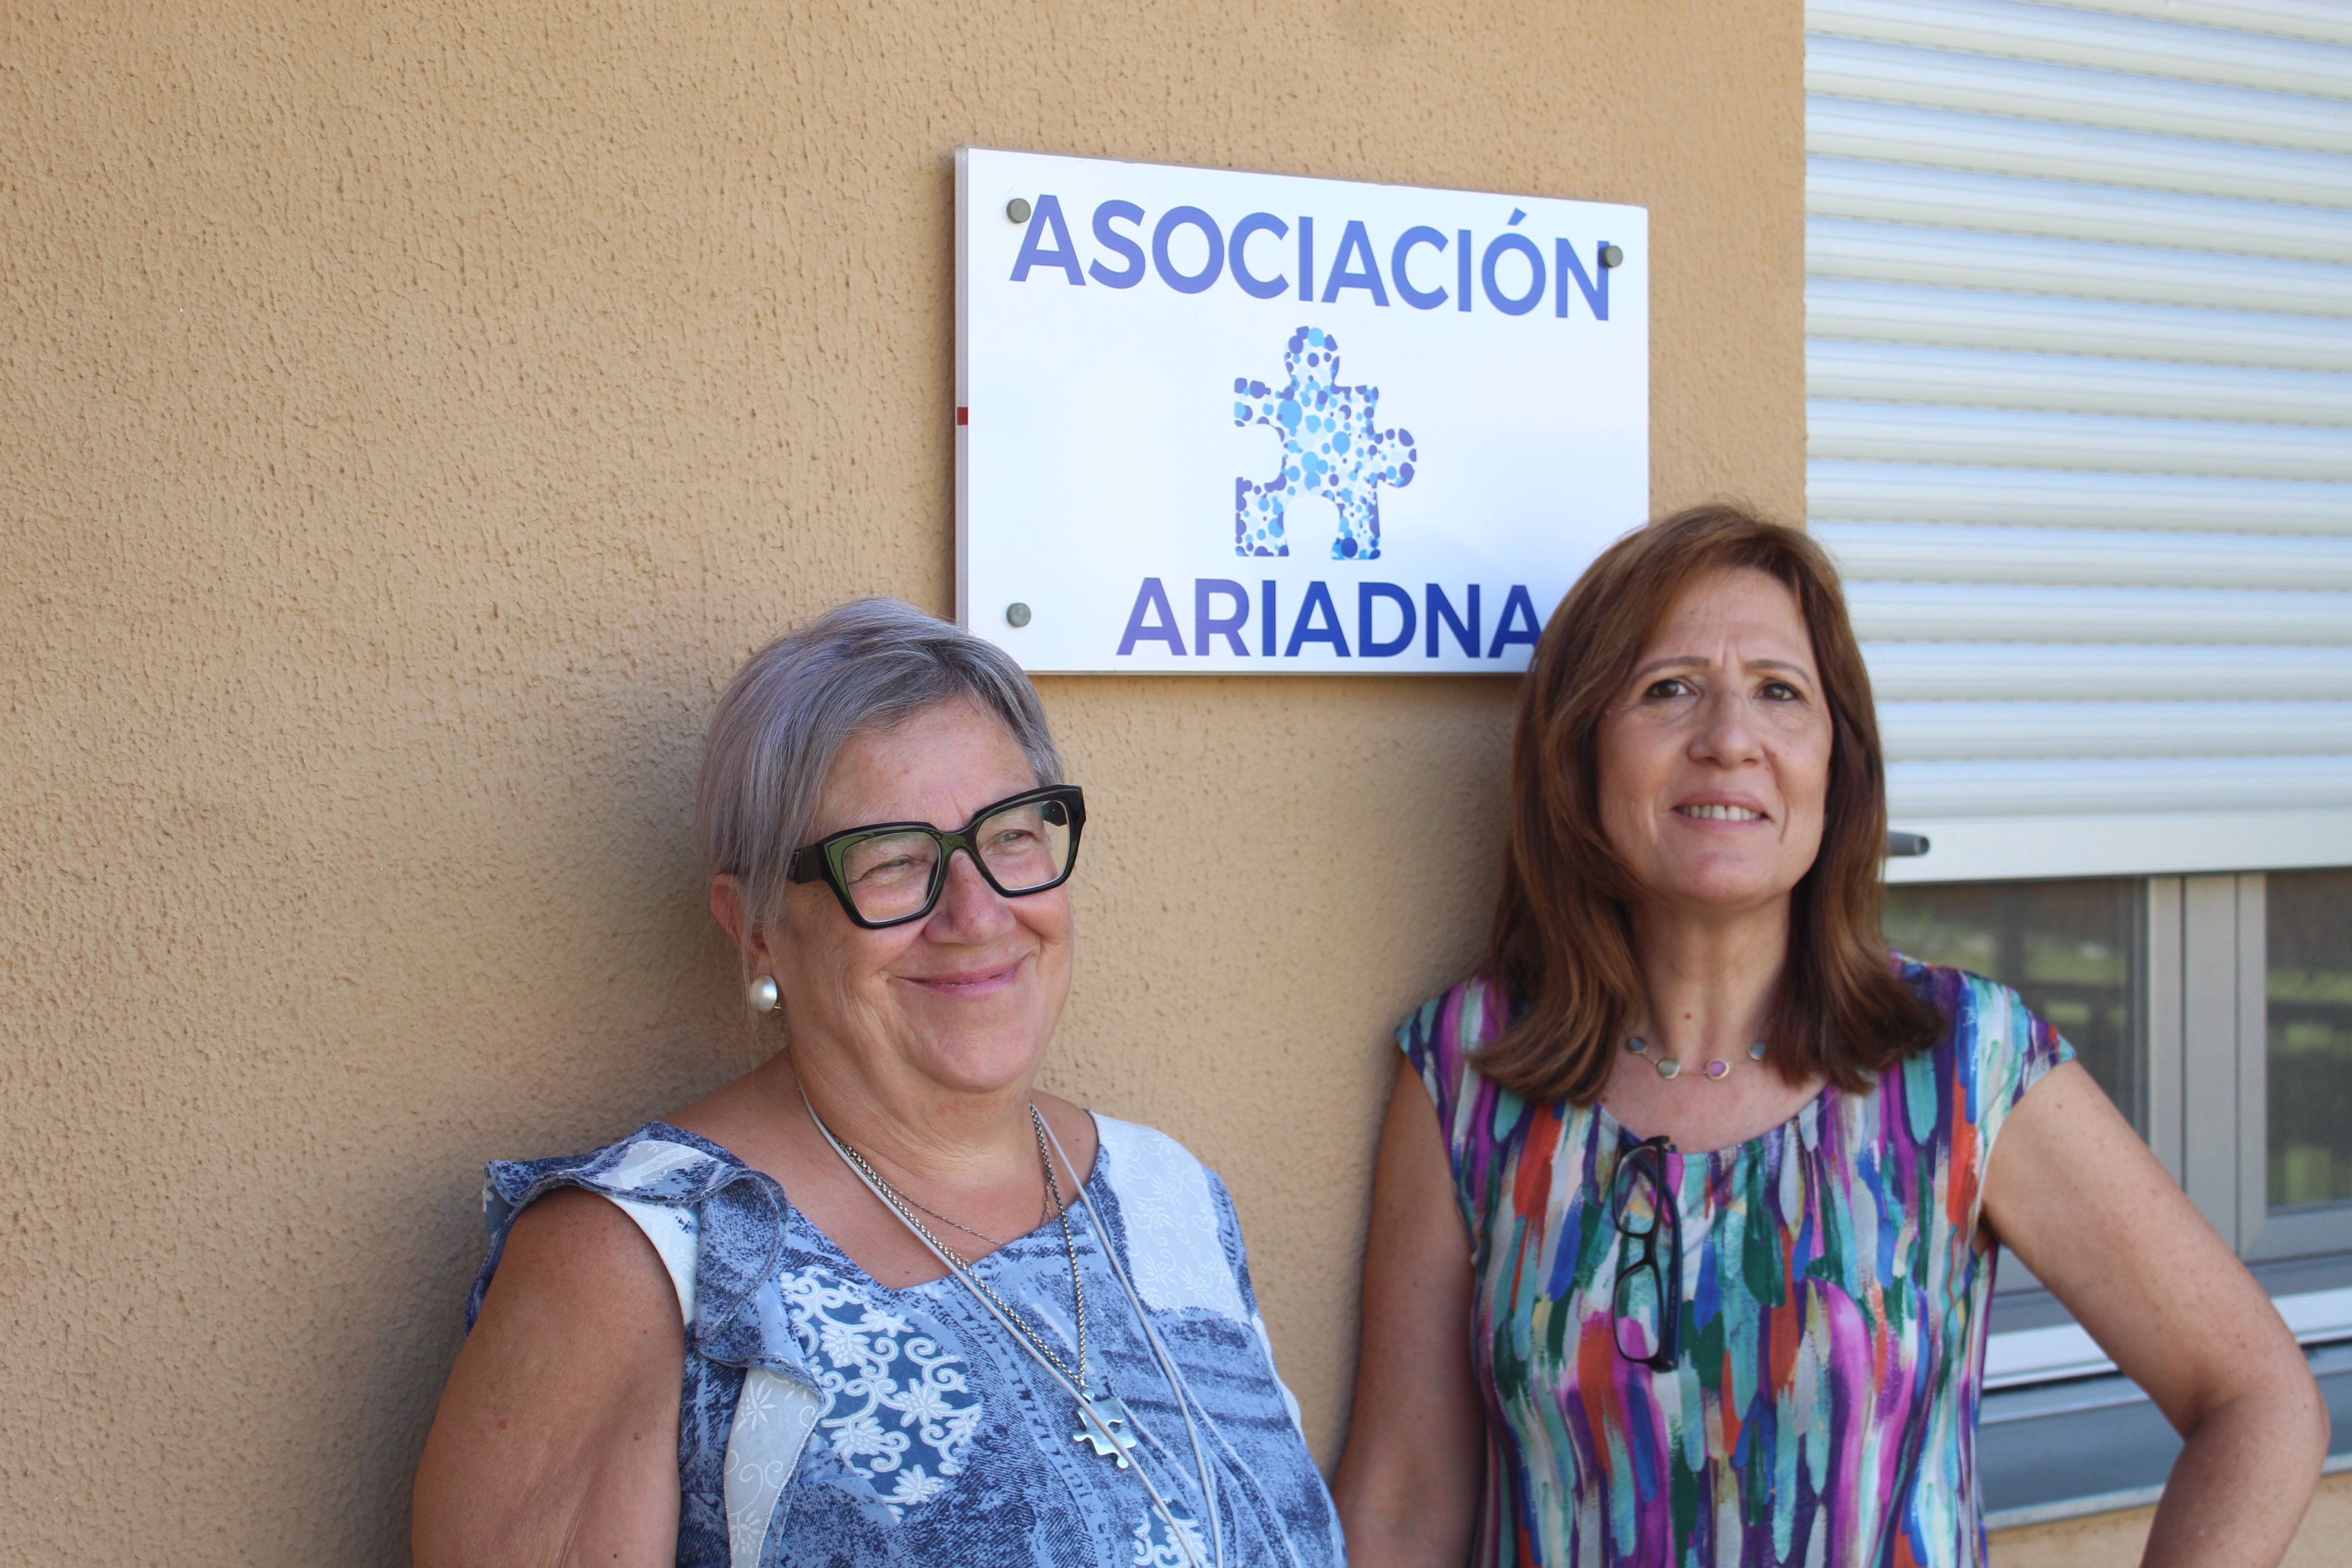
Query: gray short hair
point(867, 664)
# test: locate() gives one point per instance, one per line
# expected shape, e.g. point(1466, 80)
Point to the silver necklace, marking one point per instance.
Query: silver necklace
point(1046, 1211)
point(1102, 1419)
point(1669, 1067)
point(1097, 1414)
point(959, 1225)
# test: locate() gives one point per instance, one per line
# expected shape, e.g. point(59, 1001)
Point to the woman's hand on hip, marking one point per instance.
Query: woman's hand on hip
point(2073, 1191)
point(556, 1441)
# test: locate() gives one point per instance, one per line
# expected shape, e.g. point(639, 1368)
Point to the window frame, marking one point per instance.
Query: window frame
point(2063, 1413)
point(2205, 1074)
point(2266, 1236)
point(2209, 1047)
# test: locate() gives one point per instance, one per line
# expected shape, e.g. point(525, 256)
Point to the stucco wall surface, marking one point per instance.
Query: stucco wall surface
point(409, 417)
point(2118, 1540)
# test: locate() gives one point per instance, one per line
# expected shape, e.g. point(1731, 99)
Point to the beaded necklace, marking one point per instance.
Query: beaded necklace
point(1669, 1067)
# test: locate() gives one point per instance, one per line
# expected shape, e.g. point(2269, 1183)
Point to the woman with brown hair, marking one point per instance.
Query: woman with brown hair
point(1690, 1263)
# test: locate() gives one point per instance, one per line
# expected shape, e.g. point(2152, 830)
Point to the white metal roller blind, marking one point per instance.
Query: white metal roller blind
point(2079, 332)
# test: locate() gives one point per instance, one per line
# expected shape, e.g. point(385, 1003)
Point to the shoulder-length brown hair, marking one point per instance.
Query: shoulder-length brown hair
point(1561, 945)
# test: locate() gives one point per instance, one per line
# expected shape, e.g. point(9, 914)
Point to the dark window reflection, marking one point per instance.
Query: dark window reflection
point(2073, 949)
point(2309, 916)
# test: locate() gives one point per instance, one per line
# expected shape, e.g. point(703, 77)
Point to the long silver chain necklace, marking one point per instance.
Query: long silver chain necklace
point(1046, 1211)
point(1103, 1420)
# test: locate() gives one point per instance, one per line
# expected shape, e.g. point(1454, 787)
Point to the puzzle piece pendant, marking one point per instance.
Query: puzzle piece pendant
point(1104, 1424)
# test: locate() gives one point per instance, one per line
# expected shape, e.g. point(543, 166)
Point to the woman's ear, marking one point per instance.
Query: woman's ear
point(728, 909)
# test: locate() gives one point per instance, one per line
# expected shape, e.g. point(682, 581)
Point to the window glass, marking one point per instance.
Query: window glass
point(2073, 949)
point(2309, 1006)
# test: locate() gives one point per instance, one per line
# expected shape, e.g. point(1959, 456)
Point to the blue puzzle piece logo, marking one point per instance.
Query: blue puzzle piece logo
point(1332, 446)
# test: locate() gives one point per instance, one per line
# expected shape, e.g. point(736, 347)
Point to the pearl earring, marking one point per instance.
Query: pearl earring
point(764, 994)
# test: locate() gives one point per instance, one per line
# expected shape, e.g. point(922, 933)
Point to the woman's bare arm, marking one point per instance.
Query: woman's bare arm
point(2079, 1198)
point(1409, 1483)
point(556, 1442)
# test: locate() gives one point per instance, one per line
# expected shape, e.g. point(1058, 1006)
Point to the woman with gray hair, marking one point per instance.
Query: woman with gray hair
point(879, 1302)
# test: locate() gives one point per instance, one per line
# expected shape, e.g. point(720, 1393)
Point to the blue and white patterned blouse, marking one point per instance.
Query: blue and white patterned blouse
point(825, 1418)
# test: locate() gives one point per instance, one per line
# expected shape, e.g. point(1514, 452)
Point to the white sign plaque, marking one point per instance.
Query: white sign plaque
point(1210, 421)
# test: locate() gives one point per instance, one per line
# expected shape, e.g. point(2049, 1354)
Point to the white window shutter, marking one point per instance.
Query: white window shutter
point(2079, 334)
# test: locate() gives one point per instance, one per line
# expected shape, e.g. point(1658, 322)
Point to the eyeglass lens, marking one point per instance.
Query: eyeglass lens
point(1635, 1199)
point(1638, 1307)
point(1025, 846)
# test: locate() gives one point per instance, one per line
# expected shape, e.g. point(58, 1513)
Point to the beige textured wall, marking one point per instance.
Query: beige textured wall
point(2116, 1540)
point(408, 416)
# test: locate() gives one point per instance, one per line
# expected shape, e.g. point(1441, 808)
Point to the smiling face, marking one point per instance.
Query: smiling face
point(1715, 760)
point(966, 998)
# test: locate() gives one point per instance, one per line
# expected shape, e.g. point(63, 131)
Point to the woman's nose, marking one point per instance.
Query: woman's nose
point(968, 908)
point(1726, 733)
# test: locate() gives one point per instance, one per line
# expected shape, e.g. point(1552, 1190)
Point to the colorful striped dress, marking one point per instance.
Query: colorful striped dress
point(1833, 1309)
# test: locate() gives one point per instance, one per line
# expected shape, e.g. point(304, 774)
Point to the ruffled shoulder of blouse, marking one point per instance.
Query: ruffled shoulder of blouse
point(736, 1229)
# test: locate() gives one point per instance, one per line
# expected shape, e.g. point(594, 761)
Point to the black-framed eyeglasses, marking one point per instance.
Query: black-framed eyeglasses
point(892, 872)
point(1648, 1302)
